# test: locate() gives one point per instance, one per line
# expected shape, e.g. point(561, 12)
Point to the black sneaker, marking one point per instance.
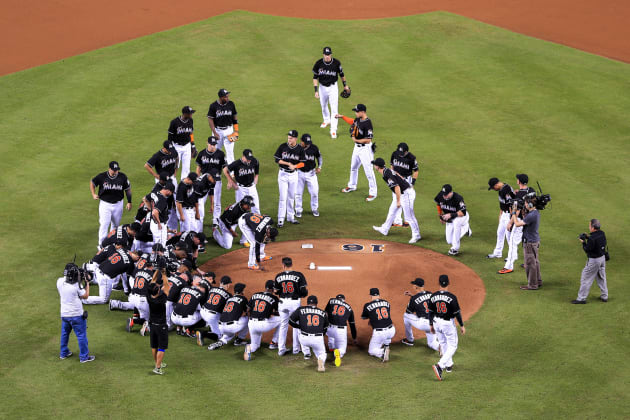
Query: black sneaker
point(239, 342)
point(578, 302)
point(603, 299)
point(438, 371)
point(407, 342)
point(449, 368)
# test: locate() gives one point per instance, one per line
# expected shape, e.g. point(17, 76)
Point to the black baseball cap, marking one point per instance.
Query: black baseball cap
point(192, 176)
point(292, 133)
point(273, 232)
point(114, 166)
point(327, 51)
point(340, 296)
point(188, 264)
point(202, 237)
point(418, 282)
point(306, 138)
point(492, 182)
point(270, 284)
point(188, 110)
point(226, 280)
point(223, 92)
point(312, 300)
point(444, 280)
point(135, 226)
point(210, 275)
point(239, 287)
point(522, 178)
point(359, 108)
point(167, 144)
point(248, 153)
point(379, 162)
point(164, 176)
point(374, 291)
point(213, 140)
point(446, 188)
point(403, 147)
point(169, 186)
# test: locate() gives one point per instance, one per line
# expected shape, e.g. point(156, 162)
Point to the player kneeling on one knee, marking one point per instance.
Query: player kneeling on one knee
point(417, 315)
point(263, 317)
point(312, 323)
point(339, 314)
point(378, 313)
point(233, 320)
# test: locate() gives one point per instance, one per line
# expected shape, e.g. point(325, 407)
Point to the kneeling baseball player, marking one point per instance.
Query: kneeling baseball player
point(378, 313)
point(212, 309)
point(340, 314)
point(417, 315)
point(233, 320)
point(312, 323)
point(225, 232)
point(263, 317)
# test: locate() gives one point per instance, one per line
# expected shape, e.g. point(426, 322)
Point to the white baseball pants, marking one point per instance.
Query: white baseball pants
point(142, 246)
point(185, 321)
point(362, 155)
point(516, 238)
point(140, 302)
point(252, 191)
point(447, 336)
point(329, 96)
point(173, 219)
point(226, 144)
point(223, 236)
point(216, 211)
point(183, 156)
point(201, 205)
point(212, 320)
point(502, 234)
point(258, 327)
point(159, 234)
point(398, 217)
point(286, 307)
point(234, 328)
point(105, 285)
point(189, 223)
point(109, 215)
point(314, 343)
point(308, 179)
point(287, 184)
point(413, 321)
point(249, 237)
point(379, 339)
point(337, 338)
point(456, 230)
point(406, 203)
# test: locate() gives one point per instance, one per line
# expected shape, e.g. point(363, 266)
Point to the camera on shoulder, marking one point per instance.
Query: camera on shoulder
point(583, 237)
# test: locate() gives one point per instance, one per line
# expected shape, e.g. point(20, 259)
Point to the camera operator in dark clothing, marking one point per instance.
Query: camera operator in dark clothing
point(158, 291)
point(531, 241)
point(595, 248)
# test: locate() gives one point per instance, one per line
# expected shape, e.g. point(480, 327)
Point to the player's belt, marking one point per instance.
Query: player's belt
point(383, 329)
point(258, 319)
point(223, 128)
point(208, 310)
point(362, 144)
point(337, 326)
point(287, 170)
point(184, 316)
point(181, 144)
point(186, 207)
point(245, 186)
point(228, 323)
point(289, 298)
point(443, 319)
point(311, 335)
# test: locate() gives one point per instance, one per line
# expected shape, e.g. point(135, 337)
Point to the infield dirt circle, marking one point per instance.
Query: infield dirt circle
point(390, 266)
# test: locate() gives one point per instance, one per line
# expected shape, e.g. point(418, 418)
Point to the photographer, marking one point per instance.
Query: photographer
point(531, 241)
point(158, 291)
point(72, 288)
point(595, 248)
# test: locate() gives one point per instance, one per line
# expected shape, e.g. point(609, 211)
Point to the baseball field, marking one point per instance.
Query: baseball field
point(472, 100)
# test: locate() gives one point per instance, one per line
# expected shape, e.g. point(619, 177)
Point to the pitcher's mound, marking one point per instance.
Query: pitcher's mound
point(352, 267)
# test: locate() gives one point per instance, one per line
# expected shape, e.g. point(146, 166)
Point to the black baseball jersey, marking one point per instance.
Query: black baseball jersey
point(160, 203)
point(145, 234)
point(263, 305)
point(289, 154)
point(312, 158)
point(185, 237)
point(453, 205)
point(291, 284)
point(162, 162)
point(141, 263)
point(327, 73)
point(231, 215)
point(170, 201)
point(235, 307)
point(506, 194)
point(309, 320)
point(216, 299)
point(528, 192)
point(361, 129)
point(177, 284)
point(119, 233)
point(378, 312)
point(244, 173)
point(339, 312)
point(186, 194)
point(179, 130)
point(188, 302)
point(223, 115)
point(211, 163)
point(114, 262)
point(203, 186)
point(111, 189)
point(404, 164)
point(393, 179)
point(443, 304)
point(258, 224)
point(419, 304)
point(141, 280)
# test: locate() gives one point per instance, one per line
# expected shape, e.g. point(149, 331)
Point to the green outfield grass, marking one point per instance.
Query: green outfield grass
point(473, 101)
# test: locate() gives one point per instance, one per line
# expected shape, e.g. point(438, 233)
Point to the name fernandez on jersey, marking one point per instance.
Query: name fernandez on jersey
point(377, 304)
point(310, 310)
point(263, 296)
point(442, 298)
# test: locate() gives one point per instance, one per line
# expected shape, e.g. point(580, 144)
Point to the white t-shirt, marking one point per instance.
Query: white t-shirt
point(70, 295)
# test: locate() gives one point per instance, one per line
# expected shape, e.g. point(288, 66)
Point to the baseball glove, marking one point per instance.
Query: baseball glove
point(346, 93)
point(233, 137)
point(193, 151)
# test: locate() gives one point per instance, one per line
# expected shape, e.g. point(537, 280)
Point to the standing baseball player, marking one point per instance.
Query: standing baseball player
point(258, 230)
point(223, 123)
point(326, 71)
point(213, 307)
point(111, 185)
point(290, 287)
point(417, 315)
point(443, 307)
point(212, 161)
point(245, 178)
point(307, 175)
point(263, 317)
point(340, 314)
point(180, 132)
point(225, 232)
point(361, 132)
point(233, 320)
point(290, 157)
point(162, 166)
point(506, 195)
point(158, 202)
point(204, 186)
point(378, 313)
point(312, 323)
point(452, 213)
point(403, 196)
point(187, 203)
point(516, 232)
point(404, 164)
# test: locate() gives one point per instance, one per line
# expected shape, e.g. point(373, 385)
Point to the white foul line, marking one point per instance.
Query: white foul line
point(332, 267)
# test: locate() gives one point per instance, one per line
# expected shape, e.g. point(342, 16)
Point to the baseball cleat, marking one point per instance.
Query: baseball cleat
point(438, 371)
point(202, 249)
point(307, 356)
point(247, 355)
point(415, 239)
point(348, 189)
point(254, 267)
point(158, 371)
point(578, 302)
point(199, 338)
point(600, 298)
point(407, 342)
point(333, 135)
point(273, 345)
point(129, 325)
point(449, 368)
point(280, 223)
point(453, 251)
point(295, 222)
point(396, 225)
point(406, 224)
point(505, 271)
point(320, 365)
point(282, 352)
point(323, 125)
point(216, 345)
point(145, 327)
point(379, 230)
point(240, 342)
point(386, 353)
point(246, 245)
point(89, 359)
point(298, 214)
point(315, 213)
point(493, 256)
point(337, 358)
point(267, 258)
point(66, 356)
point(469, 233)
point(370, 198)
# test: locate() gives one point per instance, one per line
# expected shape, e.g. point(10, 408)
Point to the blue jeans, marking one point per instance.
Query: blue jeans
point(79, 325)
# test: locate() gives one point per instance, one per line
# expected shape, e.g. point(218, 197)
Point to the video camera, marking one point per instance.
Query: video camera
point(541, 199)
point(167, 262)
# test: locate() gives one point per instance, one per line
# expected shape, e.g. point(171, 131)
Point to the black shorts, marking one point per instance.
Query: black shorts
point(159, 336)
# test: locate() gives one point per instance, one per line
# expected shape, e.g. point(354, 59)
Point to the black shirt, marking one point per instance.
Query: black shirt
point(157, 308)
point(160, 203)
point(339, 313)
point(114, 262)
point(179, 130)
point(186, 194)
point(231, 214)
point(119, 233)
point(443, 304)
point(177, 284)
point(203, 185)
point(141, 281)
point(244, 173)
point(291, 284)
point(393, 179)
point(211, 163)
point(170, 201)
point(312, 158)
point(528, 192)
point(162, 162)
point(405, 164)
point(309, 320)
point(223, 115)
point(111, 189)
point(289, 154)
point(188, 302)
point(145, 235)
point(595, 246)
point(263, 305)
point(361, 129)
point(235, 307)
point(216, 299)
point(378, 312)
point(419, 304)
point(452, 205)
point(506, 194)
point(258, 224)
point(327, 73)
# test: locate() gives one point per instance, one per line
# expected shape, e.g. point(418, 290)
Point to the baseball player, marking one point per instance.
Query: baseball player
point(326, 71)
point(186, 202)
point(290, 287)
point(307, 175)
point(443, 307)
point(204, 186)
point(177, 282)
point(258, 231)
point(125, 233)
point(162, 165)
point(290, 157)
point(403, 195)
point(233, 320)
point(139, 282)
point(186, 310)
point(340, 314)
point(180, 133)
point(111, 185)
point(378, 313)
point(143, 240)
point(212, 161)
point(245, 178)
point(516, 235)
point(361, 132)
point(158, 202)
point(263, 317)
point(506, 195)
point(108, 265)
point(417, 315)
point(452, 213)
point(213, 307)
point(223, 123)
point(225, 232)
point(312, 323)
point(404, 164)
